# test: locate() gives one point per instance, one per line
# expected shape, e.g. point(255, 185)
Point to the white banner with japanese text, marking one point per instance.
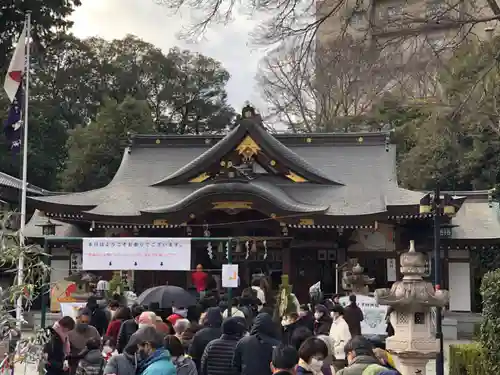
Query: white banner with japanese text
point(136, 253)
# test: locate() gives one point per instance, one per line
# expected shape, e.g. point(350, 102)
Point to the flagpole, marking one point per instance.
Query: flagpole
point(20, 266)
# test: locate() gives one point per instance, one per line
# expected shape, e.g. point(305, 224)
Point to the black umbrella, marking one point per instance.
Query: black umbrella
point(167, 296)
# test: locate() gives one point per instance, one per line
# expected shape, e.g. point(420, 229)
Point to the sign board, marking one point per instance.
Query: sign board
point(230, 276)
point(373, 313)
point(136, 253)
point(71, 308)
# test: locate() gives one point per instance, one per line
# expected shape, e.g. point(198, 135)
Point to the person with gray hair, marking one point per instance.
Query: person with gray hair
point(180, 327)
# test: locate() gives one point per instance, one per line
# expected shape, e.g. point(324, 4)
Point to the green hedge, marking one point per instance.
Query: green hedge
point(490, 328)
point(467, 359)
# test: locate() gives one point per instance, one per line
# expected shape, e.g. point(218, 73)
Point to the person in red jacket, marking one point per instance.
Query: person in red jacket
point(122, 314)
point(200, 279)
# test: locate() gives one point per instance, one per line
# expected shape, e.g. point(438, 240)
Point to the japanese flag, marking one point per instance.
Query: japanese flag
point(15, 73)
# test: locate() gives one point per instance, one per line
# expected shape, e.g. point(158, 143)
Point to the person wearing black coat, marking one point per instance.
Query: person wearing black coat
point(218, 355)
point(253, 353)
point(353, 316)
point(210, 331)
point(322, 321)
point(98, 317)
point(128, 328)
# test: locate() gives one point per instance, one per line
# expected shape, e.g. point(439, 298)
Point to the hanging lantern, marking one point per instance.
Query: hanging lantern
point(238, 248)
point(220, 248)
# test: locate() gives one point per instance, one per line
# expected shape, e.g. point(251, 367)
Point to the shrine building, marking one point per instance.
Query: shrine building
point(299, 204)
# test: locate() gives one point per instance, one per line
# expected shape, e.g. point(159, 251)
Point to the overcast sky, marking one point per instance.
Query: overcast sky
point(111, 19)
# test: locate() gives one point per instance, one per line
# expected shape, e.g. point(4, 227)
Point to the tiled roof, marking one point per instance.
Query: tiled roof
point(477, 218)
point(362, 163)
point(31, 230)
point(15, 183)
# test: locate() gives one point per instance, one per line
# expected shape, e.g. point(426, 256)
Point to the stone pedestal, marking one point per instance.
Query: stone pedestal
point(411, 301)
point(412, 364)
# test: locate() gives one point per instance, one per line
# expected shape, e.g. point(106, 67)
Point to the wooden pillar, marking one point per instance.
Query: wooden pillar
point(286, 262)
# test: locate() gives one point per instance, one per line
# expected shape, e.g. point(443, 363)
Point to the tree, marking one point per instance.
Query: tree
point(46, 145)
point(185, 91)
point(48, 17)
point(95, 151)
point(344, 83)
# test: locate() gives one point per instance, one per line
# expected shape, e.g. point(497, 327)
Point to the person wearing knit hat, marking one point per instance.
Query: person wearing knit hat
point(174, 318)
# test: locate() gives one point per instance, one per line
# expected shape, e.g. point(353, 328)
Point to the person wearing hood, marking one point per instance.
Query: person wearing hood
point(211, 330)
point(153, 358)
point(217, 358)
point(360, 358)
point(322, 320)
point(128, 328)
point(183, 364)
point(79, 337)
point(92, 362)
point(98, 317)
point(253, 353)
point(340, 334)
point(57, 349)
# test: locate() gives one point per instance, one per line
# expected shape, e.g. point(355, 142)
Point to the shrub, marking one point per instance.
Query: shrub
point(490, 326)
point(467, 359)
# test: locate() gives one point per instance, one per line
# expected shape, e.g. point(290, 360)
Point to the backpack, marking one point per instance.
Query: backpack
point(375, 369)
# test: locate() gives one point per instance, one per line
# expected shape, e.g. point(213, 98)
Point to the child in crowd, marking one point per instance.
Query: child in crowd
point(92, 362)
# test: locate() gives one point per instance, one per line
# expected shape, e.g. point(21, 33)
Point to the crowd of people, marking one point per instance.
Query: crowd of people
point(206, 339)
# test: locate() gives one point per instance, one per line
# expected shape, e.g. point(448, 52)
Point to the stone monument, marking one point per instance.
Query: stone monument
point(412, 299)
point(353, 279)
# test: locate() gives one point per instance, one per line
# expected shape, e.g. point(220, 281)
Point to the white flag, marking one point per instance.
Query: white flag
point(17, 65)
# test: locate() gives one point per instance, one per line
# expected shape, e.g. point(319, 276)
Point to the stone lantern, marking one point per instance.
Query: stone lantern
point(355, 281)
point(411, 300)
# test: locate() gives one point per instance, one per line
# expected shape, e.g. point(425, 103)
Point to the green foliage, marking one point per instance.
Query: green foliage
point(95, 151)
point(47, 18)
point(467, 359)
point(180, 92)
point(490, 326)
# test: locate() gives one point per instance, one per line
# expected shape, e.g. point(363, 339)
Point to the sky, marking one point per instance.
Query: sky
point(229, 44)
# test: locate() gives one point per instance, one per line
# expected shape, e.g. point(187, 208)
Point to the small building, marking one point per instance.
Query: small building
point(299, 204)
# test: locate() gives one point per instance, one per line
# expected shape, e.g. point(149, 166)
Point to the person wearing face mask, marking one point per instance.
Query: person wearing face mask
point(79, 336)
point(128, 328)
point(322, 320)
point(153, 358)
point(361, 359)
point(312, 354)
point(340, 335)
point(284, 360)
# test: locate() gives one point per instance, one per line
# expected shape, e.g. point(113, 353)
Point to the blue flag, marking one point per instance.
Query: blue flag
point(13, 125)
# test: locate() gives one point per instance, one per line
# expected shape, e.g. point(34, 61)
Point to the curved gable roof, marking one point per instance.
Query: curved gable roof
point(269, 144)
